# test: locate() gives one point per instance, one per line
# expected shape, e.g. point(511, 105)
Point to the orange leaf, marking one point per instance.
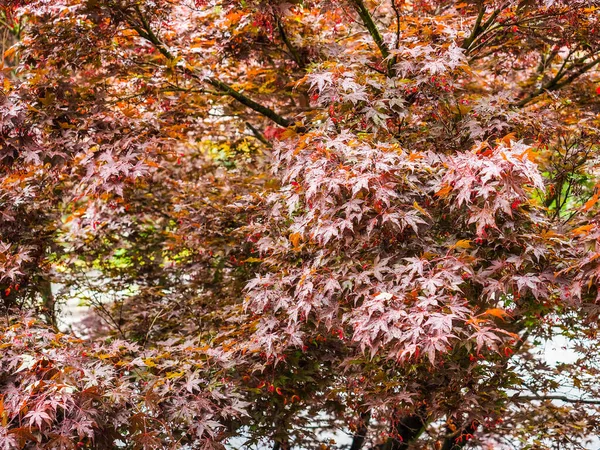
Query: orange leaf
point(10, 52)
point(591, 202)
point(508, 138)
point(443, 192)
point(414, 156)
point(3, 414)
point(295, 239)
point(585, 229)
point(497, 312)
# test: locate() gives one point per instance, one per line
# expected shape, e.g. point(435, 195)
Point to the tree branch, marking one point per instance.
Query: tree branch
point(397, 12)
point(364, 14)
point(555, 83)
point(480, 30)
point(476, 28)
point(247, 101)
point(562, 398)
point(145, 31)
point(407, 430)
point(361, 433)
point(459, 438)
point(258, 135)
point(295, 55)
point(576, 74)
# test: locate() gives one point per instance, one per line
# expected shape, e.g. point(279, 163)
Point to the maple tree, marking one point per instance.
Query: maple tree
point(298, 220)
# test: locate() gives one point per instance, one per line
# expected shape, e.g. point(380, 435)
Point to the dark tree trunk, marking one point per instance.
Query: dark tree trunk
point(407, 430)
point(361, 433)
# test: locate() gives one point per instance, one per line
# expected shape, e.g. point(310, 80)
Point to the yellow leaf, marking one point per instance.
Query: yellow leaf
point(171, 63)
point(461, 109)
point(463, 243)
point(171, 375)
point(288, 133)
point(418, 208)
point(129, 33)
point(149, 362)
point(48, 99)
point(252, 260)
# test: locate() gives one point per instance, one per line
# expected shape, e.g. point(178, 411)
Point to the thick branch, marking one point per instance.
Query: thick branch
point(145, 31)
point(359, 437)
point(459, 438)
point(576, 74)
point(247, 101)
point(297, 57)
point(258, 135)
point(407, 429)
point(480, 29)
point(476, 28)
point(397, 12)
point(365, 15)
point(558, 82)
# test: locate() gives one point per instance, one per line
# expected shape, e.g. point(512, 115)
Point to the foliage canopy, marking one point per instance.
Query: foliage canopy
point(295, 221)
